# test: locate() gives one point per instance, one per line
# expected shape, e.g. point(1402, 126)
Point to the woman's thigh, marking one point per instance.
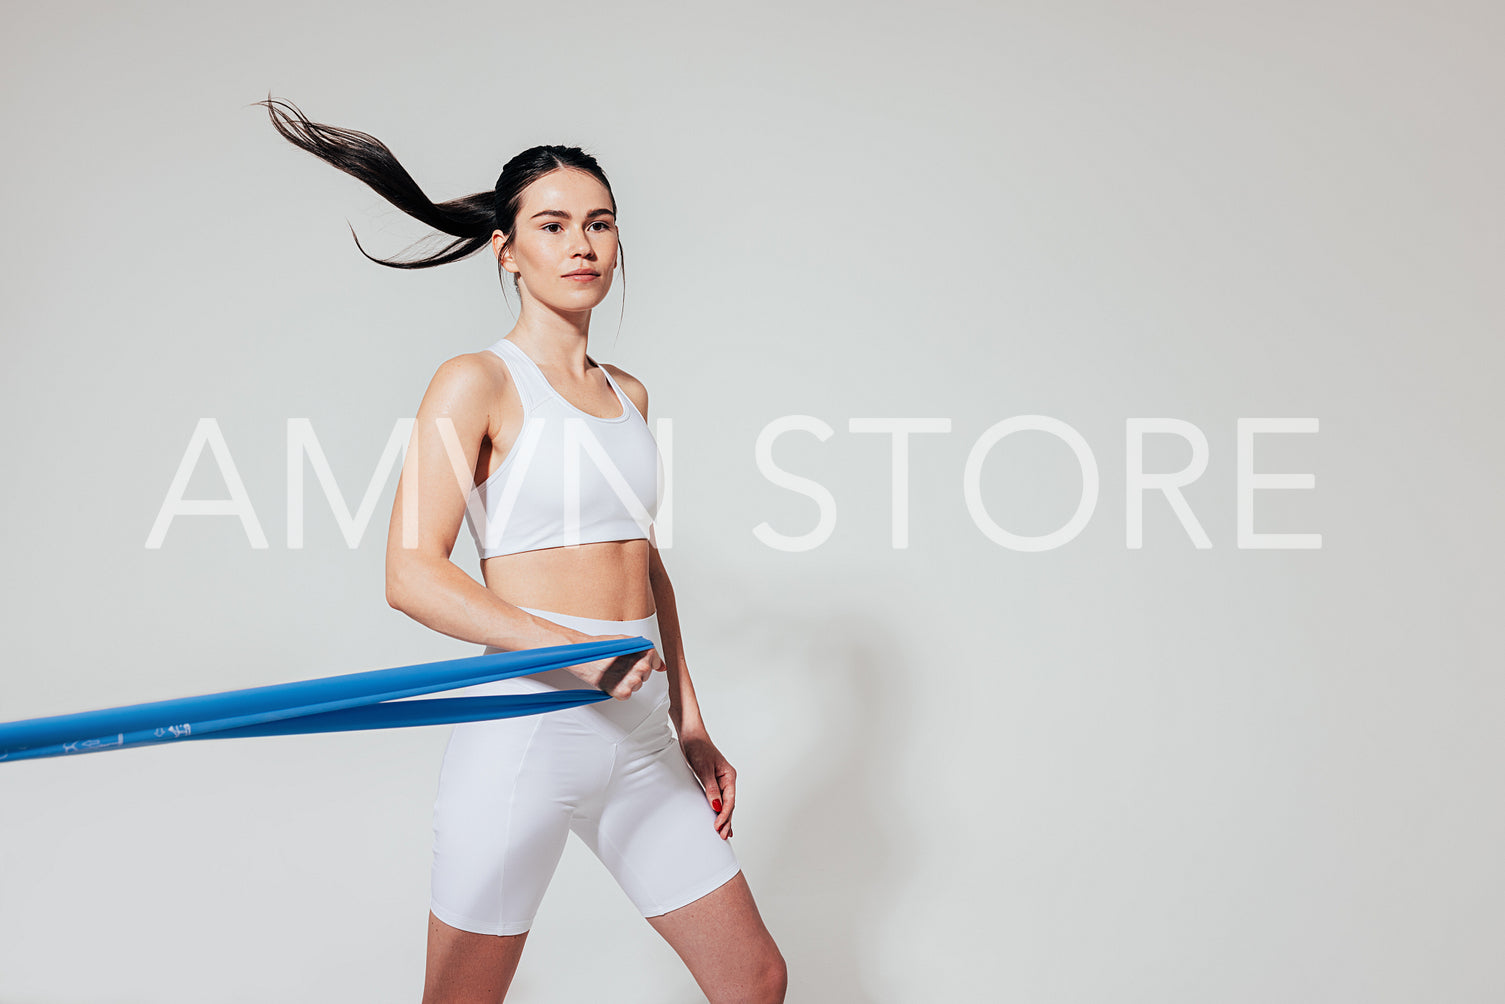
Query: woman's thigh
point(653, 827)
point(723, 941)
point(507, 790)
point(463, 966)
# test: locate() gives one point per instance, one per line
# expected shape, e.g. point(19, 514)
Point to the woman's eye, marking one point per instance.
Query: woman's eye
point(602, 223)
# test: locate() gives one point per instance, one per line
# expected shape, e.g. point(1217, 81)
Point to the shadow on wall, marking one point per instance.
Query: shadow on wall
point(817, 719)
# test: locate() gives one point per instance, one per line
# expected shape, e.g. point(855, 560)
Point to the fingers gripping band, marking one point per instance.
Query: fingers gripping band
point(330, 704)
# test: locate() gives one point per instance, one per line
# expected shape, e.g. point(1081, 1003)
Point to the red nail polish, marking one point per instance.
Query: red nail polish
point(716, 804)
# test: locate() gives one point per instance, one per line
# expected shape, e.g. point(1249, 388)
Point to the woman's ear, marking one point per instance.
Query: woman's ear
point(499, 241)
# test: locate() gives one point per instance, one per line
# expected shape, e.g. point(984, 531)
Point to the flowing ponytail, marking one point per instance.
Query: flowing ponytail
point(470, 219)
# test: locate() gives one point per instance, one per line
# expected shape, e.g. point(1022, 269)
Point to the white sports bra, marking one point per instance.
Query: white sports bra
point(571, 478)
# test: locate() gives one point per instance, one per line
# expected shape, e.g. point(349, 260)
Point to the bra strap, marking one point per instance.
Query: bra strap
point(524, 375)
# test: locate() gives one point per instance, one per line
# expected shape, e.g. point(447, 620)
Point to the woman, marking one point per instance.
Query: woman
point(559, 479)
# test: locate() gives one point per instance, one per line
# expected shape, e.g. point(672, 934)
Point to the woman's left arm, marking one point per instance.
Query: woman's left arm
point(684, 709)
point(717, 776)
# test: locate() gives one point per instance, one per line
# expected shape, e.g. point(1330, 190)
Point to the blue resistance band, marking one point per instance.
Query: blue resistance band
point(370, 700)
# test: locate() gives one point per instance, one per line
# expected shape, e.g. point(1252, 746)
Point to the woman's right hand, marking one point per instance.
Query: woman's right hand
point(622, 675)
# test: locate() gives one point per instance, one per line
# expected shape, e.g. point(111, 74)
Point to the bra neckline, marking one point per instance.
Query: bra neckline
point(627, 407)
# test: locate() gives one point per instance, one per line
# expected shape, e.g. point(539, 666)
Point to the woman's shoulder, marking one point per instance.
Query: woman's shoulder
point(483, 367)
point(623, 377)
point(469, 378)
point(631, 386)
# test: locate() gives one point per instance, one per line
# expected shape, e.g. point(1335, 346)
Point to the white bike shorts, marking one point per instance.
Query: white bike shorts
point(512, 789)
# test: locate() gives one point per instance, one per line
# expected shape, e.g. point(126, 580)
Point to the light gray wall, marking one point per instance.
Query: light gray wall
point(968, 773)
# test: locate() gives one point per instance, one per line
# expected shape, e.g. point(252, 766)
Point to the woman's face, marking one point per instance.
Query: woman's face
point(565, 226)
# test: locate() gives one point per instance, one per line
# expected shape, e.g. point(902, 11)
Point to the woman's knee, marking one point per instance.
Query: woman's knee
point(776, 979)
point(767, 984)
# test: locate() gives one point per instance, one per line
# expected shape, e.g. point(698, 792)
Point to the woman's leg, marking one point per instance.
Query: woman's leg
point(722, 940)
point(501, 820)
point(654, 829)
point(466, 968)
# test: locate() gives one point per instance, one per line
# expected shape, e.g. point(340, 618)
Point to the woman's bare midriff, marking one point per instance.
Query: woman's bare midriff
point(604, 581)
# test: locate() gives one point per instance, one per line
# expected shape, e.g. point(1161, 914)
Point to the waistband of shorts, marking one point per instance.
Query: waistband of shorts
point(595, 625)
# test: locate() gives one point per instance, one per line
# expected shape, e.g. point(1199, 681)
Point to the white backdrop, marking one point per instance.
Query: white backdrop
point(968, 772)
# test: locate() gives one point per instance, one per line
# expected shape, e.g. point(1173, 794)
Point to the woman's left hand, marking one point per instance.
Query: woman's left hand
point(718, 777)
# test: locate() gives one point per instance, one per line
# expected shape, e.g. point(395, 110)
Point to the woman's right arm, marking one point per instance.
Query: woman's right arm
point(432, 490)
point(422, 581)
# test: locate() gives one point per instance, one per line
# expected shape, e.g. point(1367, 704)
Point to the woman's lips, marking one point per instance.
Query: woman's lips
point(583, 277)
